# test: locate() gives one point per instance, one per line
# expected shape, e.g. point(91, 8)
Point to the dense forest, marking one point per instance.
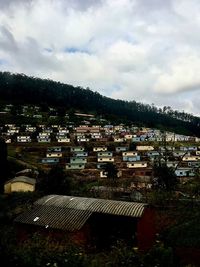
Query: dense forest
point(21, 89)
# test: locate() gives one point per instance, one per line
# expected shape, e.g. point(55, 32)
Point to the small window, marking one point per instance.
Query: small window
point(80, 166)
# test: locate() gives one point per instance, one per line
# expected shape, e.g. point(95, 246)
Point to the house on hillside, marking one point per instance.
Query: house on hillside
point(99, 148)
point(78, 160)
point(63, 139)
point(54, 154)
point(20, 184)
point(136, 139)
point(43, 139)
point(191, 158)
point(89, 222)
point(121, 148)
point(50, 161)
point(23, 139)
point(184, 173)
point(137, 164)
point(129, 153)
point(131, 158)
point(105, 159)
point(80, 154)
point(105, 154)
point(75, 166)
point(77, 149)
point(54, 149)
point(144, 148)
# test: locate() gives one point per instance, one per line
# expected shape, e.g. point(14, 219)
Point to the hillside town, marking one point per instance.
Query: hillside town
point(99, 173)
point(85, 149)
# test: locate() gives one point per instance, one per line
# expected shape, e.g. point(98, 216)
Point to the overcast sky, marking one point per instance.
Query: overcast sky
point(143, 50)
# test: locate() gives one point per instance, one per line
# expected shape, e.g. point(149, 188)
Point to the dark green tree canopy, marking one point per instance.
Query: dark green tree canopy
point(19, 89)
point(165, 177)
point(56, 182)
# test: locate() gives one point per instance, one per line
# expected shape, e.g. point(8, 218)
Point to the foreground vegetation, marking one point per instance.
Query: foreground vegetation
point(38, 250)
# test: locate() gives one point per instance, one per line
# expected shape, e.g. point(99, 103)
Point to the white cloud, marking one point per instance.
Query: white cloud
point(130, 49)
point(182, 76)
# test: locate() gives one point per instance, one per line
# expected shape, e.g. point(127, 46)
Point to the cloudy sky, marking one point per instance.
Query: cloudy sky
point(143, 50)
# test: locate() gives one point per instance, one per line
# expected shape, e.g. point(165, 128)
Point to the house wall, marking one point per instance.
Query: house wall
point(62, 238)
point(100, 149)
point(137, 165)
point(7, 188)
point(19, 186)
point(129, 153)
point(53, 155)
point(144, 148)
point(74, 166)
point(105, 154)
point(146, 230)
point(78, 160)
point(105, 159)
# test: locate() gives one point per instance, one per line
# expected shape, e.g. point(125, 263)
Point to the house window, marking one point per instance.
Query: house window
point(80, 166)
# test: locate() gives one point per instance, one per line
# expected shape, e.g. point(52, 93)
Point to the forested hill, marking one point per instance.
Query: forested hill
point(21, 89)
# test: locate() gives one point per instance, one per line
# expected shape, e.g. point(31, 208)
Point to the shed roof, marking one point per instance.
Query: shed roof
point(22, 179)
point(71, 213)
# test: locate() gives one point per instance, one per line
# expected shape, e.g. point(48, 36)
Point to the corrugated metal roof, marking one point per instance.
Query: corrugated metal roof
point(71, 213)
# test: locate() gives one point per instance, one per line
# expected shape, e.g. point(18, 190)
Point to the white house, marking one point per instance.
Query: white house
point(144, 148)
point(191, 158)
point(129, 153)
point(99, 148)
point(105, 159)
point(63, 140)
point(137, 164)
point(23, 139)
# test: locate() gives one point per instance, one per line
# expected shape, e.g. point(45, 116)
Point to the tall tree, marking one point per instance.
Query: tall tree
point(111, 172)
point(56, 182)
point(165, 177)
point(3, 163)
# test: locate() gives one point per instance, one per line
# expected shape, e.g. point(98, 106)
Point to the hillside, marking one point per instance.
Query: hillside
point(21, 89)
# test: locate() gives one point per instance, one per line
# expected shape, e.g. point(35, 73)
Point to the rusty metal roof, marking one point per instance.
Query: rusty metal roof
point(71, 213)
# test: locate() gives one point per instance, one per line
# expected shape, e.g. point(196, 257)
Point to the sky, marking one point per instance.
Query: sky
point(142, 50)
